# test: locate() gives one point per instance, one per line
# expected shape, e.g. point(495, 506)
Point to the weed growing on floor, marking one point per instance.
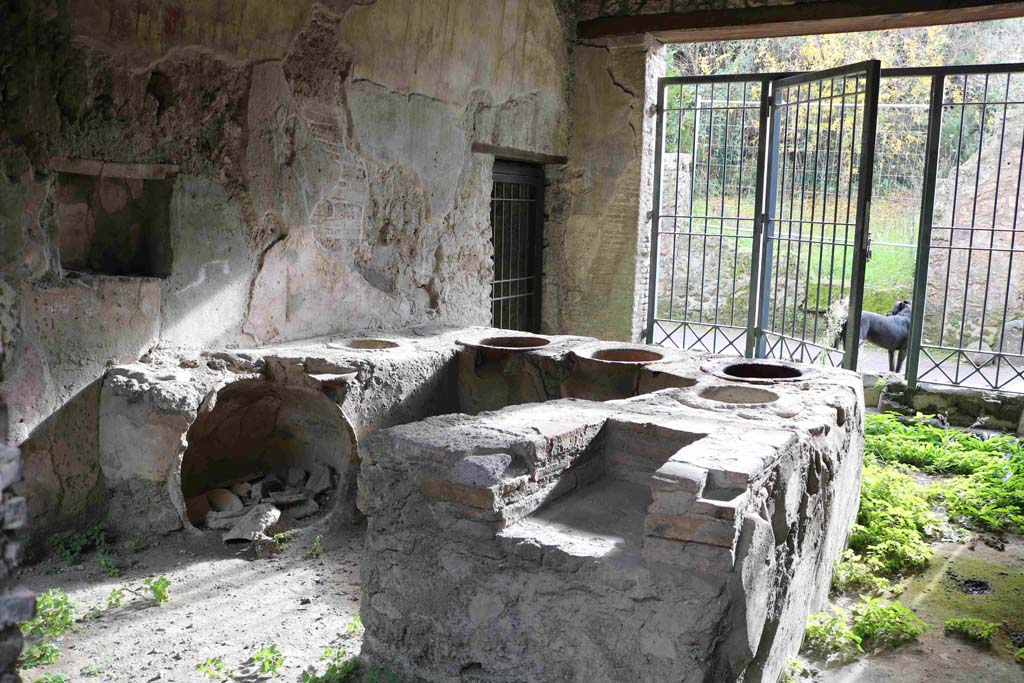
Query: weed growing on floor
point(977, 630)
point(795, 671)
point(354, 625)
point(269, 659)
point(159, 587)
point(53, 678)
point(882, 622)
point(55, 614)
point(70, 545)
point(987, 489)
point(892, 521)
point(339, 668)
point(316, 549)
point(39, 654)
point(840, 635)
point(215, 669)
point(1019, 655)
point(91, 670)
point(116, 598)
point(854, 574)
point(830, 637)
point(107, 563)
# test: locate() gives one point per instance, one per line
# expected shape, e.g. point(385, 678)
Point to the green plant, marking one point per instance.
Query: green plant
point(892, 521)
point(39, 654)
point(53, 678)
point(215, 669)
point(829, 636)
point(339, 668)
point(116, 598)
point(353, 625)
point(107, 563)
point(1019, 655)
point(316, 549)
point(883, 622)
point(91, 670)
point(55, 614)
point(987, 490)
point(70, 545)
point(269, 658)
point(159, 588)
point(977, 630)
point(854, 574)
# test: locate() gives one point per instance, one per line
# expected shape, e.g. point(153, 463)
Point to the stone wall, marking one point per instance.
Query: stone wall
point(599, 242)
point(320, 179)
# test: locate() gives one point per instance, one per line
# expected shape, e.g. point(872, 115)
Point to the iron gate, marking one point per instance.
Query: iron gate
point(763, 191)
point(517, 217)
point(766, 186)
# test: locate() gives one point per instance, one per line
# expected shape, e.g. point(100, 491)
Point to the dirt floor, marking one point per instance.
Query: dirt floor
point(228, 606)
point(970, 579)
point(221, 605)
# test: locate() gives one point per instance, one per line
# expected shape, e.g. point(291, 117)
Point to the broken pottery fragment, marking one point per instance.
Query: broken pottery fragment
point(224, 520)
point(287, 497)
point(222, 500)
point(319, 481)
point(197, 508)
point(252, 525)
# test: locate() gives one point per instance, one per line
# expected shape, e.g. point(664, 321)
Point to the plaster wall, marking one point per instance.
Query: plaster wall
point(322, 173)
point(599, 234)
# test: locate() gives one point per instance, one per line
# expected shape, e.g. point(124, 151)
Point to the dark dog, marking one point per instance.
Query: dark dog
point(891, 332)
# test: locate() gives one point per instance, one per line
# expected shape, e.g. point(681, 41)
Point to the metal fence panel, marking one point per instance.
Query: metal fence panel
point(517, 217)
point(821, 159)
point(709, 160)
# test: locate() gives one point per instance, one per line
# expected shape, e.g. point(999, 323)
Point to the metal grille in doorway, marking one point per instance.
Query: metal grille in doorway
point(757, 246)
point(517, 217)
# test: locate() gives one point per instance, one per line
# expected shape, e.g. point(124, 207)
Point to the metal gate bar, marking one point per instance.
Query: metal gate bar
point(517, 205)
point(705, 211)
point(970, 266)
point(794, 229)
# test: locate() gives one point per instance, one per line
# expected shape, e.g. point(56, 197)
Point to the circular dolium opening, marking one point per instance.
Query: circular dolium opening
point(627, 355)
point(515, 342)
point(739, 395)
point(370, 344)
point(762, 371)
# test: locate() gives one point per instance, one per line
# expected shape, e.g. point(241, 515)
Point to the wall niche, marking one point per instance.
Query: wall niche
point(114, 219)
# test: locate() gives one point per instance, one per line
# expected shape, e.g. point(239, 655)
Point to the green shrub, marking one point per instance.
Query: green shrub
point(70, 545)
point(883, 622)
point(841, 635)
point(39, 654)
point(1019, 655)
point(894, 514)
point(53, 678)
point(55, 614)
point(977, 630)
point(988, 491)
point(829, 636)
point(853, 574)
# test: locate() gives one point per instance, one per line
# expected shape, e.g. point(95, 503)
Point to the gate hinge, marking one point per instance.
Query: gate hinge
point(650, 216)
